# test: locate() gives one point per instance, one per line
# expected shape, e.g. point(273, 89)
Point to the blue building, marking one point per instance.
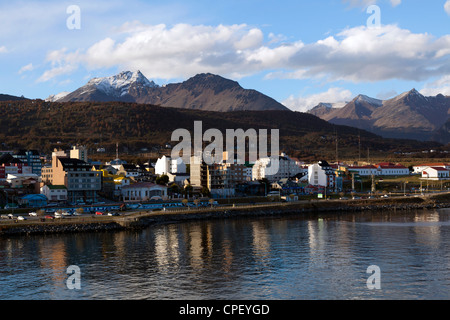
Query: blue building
point(33, 201)
point(30, 158)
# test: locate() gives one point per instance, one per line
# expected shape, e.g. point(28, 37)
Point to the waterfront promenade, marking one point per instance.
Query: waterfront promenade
point(142, 218)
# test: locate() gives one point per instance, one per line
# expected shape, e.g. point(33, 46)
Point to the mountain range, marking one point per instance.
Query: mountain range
point(205, 91)
point(410, 115)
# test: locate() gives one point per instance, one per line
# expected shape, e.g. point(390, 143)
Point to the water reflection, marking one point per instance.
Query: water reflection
point(301, 257)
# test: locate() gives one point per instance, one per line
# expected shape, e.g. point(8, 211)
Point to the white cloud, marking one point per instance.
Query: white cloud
point(3, 49)
point(439, 86)
point(28, 67)
point(305, 103)
point(447, 7)
point(63, 63)
point(165, 53)
point(366, 3)
point(359, 54)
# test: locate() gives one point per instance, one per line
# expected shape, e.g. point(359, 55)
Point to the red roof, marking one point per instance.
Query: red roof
point(388, 165)
point(362, 167)
point(439, 169)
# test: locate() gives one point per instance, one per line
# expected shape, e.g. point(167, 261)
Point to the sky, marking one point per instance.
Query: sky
point(298, 52)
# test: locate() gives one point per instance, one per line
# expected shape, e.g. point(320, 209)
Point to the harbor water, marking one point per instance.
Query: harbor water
point(320, 257)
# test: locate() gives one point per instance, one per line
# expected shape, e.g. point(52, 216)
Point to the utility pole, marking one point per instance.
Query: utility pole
point(373, 183)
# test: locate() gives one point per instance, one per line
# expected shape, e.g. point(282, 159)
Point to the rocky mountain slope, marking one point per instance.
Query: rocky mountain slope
point(207, 92)
point(409, 115)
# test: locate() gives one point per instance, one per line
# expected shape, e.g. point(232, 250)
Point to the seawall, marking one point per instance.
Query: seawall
point(144, 219)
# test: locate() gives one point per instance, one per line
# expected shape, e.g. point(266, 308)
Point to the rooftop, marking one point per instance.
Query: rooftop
point(141, 185)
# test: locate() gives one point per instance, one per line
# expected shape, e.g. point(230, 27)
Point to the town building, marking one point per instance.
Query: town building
point(11, 165)
point(436, 173)
point(287, 168)
point(220, 178)
point(322, 174)
point(28, 181)
point(165, 165)
point(54, 193)
point(80, 153)
point(363, 171)
point(76, 175)
point(129, 170)
point(33, 201)
point(391, 169)
point(418, 169)
point(31, 158)
point(143, 191)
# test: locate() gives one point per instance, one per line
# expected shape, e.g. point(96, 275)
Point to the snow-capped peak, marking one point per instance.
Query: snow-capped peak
point(372, 101)
point(119, 85)
point(56, 97)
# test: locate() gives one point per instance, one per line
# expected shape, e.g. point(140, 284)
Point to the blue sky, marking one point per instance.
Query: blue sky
point(298, 52)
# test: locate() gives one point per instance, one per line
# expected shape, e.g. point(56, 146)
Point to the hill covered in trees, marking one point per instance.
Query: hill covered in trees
point(37, 124)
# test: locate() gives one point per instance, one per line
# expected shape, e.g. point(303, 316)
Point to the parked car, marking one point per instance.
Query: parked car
point(49, 217)
point(32, 214)
point(10, 216)
point(99, 213)
point(343, 198)
point(21, 218)
point(4, 216)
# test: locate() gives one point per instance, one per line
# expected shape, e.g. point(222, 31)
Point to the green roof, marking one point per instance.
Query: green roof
point(56, 187)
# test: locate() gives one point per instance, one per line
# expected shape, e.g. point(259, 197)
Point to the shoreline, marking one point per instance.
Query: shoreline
point(143, 219)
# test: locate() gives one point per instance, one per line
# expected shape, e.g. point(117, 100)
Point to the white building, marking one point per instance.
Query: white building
point(390, 169)
point(364, 170)
point(321, 174)
point(436, 173)
point(263, 169)
point(167, 165)
point(54, 193)
point(419, 168)
point(143, 191)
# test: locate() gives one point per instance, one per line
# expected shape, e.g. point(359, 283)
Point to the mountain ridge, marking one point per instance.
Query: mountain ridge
point(409, 115)
point(203, 91)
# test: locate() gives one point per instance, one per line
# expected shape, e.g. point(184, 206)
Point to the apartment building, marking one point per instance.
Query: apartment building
point(76, 175)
